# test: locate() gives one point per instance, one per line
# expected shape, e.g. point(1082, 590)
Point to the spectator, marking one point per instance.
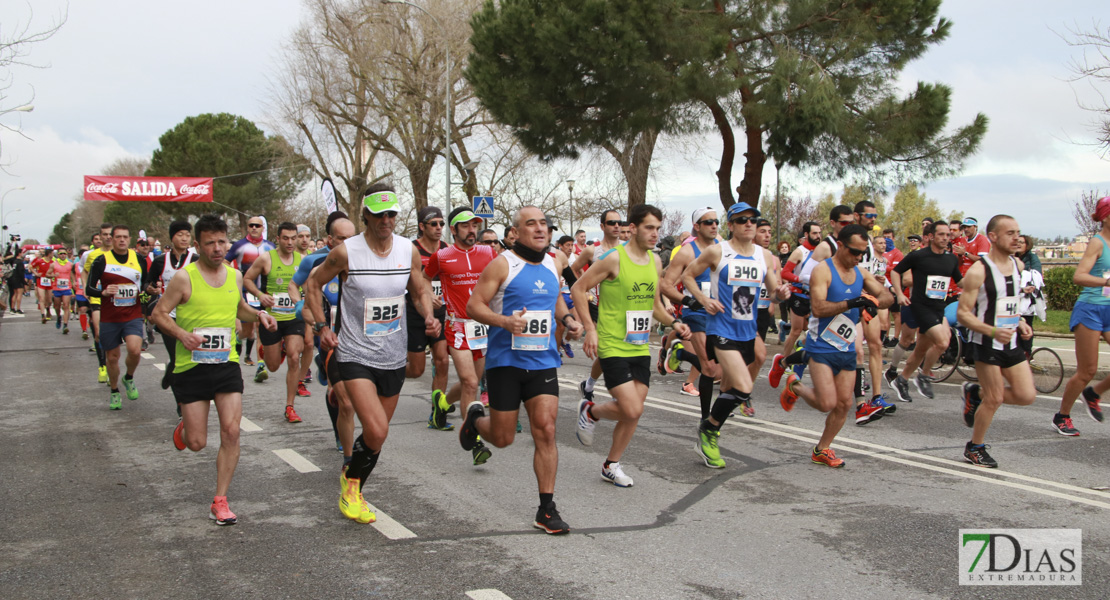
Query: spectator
point(1027, 256)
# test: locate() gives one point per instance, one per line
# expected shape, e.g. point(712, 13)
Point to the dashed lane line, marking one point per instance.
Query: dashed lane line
point(388, 527)
point(160, 366)
point(296, 461)
point(246, 424)
point(488, 594)
point(147, 355)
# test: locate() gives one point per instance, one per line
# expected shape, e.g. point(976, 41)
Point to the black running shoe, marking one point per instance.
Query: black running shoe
point(1091, 399)
point(548, 519)
point(902, 387)
point(924, 385)
point(480, 453)
point(587, 395)
point(977, 455)
point(971, 402)
point(890, 375)
point(468, 433)
point(1062, 424)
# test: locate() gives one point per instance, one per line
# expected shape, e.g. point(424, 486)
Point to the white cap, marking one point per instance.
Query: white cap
point(699, 213)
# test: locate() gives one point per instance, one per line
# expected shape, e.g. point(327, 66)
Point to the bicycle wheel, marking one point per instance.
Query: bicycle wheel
point(966, 365)
point(946, 364)
point(1048, 370)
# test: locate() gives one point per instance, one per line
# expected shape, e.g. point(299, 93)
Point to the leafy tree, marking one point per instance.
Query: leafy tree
point(910, 206)
point(153, 217)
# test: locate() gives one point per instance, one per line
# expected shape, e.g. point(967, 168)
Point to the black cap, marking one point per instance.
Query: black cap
point(177, 226)
point(550, 223)
point(429, 212)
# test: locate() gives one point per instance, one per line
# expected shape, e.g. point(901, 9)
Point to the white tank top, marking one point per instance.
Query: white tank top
point(372, 331)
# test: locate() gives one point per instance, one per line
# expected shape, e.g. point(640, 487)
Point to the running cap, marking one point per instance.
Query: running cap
point(428, 213)
point(970, 222)
point(464, 217)
point(551, 226)
point(699, 213)
point(380, 202)
point(740, 207)
point(303, 229)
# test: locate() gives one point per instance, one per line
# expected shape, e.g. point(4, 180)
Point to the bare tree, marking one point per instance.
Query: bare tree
point(1093, 67)
point(1083, 208)
point(16, 42)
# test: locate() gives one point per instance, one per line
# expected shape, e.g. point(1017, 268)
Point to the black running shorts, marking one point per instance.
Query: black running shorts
point(387, 381)
point(284, 328)
point(418, 338)
point(798, 305)
point(745, 348)
point(1000, 358)
point(508, 387)
point(203, 382)
point(619, 370)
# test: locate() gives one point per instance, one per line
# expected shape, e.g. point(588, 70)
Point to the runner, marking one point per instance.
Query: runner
point(934, 269)
point(94, 301)
point(162, 271)
point(243, 254)
point(430, 223)
point(458, 266)
point(799, 293)
point(871, 330)
point(276, 268)
point(376, 270)
point(207, 300)
point(628, 279)
point(841, 294)
point(304, 246)
point(969, 246)
point(64, 278)
point(739, 268)
point(989, 308)
point(82, 301)
point(16, 278)
point(121, 275)
point(610, 228)
point(1090, 322)
point(44, 285)
point(517, 296)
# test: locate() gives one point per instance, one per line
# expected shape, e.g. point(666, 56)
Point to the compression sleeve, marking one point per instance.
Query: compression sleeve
point(788, 273)
point(92, 286)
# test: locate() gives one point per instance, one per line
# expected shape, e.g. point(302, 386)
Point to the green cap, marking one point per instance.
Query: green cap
point(464, 217)
point(380, 202)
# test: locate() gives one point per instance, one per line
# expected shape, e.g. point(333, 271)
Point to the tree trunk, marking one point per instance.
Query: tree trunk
point(636, 172)
point(419, 175)
point(728, 152)
point(754, 157)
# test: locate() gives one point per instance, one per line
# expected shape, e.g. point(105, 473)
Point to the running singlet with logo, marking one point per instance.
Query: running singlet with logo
point(39, 267)
point(127, 274)
point(736, 284)
point(330, 289)
point(998, 303)
point(89, 258)
point(63, 276)
point(624, 315)
point(437, 287)
point(459, 271)
point(244, 252)
point(211, 313)
point(535, 287)
point(165, 268)
point(372, 330)
point(705, 280)
point(838, 332)
point(277, 285)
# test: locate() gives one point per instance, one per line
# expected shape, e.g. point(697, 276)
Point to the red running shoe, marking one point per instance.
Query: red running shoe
point(777, 370)
point(826, 457)
point(788, 396)
point(302, 391)
point(220, 513)
point(291, 415)
point(179, 435)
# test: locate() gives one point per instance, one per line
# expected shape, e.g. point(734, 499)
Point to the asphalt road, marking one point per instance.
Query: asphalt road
point(99, 504)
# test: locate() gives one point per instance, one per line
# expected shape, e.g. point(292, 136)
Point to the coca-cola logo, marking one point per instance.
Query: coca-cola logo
point(102, 188)
point(194, 189)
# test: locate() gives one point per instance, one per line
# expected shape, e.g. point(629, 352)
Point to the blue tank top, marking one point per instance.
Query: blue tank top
point(535, 287)
point(1101, 269)
point(703, 280)
point(736, 283)
point(838, 332)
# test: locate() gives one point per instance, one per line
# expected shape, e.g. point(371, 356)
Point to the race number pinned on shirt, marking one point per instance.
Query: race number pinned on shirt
point(764, 298)
point(63, 284)
point(216, 347)
point(252, 301)
point(536, 336)
point(283, 304)
point(126, 295)
point(437, 288)
point(45, 281)
point(382, 316)
point(1006, 313)
point(1105, 289)
point(936, 287)
point(878, 266)
point(638, 325)
point(840, 333)
point(744, 272)
point(477, 334)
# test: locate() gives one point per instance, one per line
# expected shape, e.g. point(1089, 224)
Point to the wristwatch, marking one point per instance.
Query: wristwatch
point(564, 319)
point(318, 327)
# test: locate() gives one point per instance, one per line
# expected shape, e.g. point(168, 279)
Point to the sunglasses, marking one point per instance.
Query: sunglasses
point(435, 223)
point(870, 215)
point(254, 224)
point(708, 222)
point(848, 222)
point(389, 214)
point(488, 242)
point(615, 223)
point(856, 252)
point(743, 220)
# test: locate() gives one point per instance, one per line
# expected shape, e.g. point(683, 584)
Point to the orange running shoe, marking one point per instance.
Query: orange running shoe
point(826, 457)
point(788, 396)
point(302, 391)
point(179, 435)
point(777, 371)
point(220, 513)
point(291, 415)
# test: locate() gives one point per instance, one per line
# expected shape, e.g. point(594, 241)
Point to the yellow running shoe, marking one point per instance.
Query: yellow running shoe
point(352, 505)
point(102, 375)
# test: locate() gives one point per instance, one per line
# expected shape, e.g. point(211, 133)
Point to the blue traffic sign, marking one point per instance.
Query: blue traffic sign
point(483, 206)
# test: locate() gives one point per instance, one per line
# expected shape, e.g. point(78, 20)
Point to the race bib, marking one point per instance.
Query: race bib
point(536, 336)
point(252, 300)
point(63, 284)
point(764, 298)
point(126, 295)
point(437, 288)
point(283, 304)
point(840, 333)
point(44, 281)
point(637, 324)
point(1105, 289)
point(743, 272)
point(382, 316)
point(216, 347)
point(706, 288)
point(878, 266)
point(1006, 313)
point(477, 334)
point(936, 287)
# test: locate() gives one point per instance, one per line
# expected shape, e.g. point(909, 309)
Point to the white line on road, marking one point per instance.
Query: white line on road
point(12, 315)
point(246, 424)
point(389, 527)
point(296, 461)
point(160, 366)
point(487, 595)
point(147, 355)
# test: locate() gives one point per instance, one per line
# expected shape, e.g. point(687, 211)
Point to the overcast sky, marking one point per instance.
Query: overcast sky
point(120, 73)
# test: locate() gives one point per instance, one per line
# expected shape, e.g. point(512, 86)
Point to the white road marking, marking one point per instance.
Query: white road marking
point(246, 424)
point(296, 461)
point(12, 315)
point(147, 355)
point(160, 366)
point(389, 527)
point(948, 467)
point(489, 594)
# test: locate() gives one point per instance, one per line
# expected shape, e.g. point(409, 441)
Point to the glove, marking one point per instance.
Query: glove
point(868, 304)
point(691, 303)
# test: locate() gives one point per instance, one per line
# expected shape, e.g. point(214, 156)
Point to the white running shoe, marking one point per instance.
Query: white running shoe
point(614, 474)
point(586, 425)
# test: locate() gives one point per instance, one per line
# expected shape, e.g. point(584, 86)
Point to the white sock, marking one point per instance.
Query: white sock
point(590, 384)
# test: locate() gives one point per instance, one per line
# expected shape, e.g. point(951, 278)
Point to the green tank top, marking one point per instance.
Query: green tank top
point(277, 285)
point(624, 311)
point(210, 312)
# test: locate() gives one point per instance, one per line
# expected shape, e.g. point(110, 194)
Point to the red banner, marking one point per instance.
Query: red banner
point(150, 189)
point(43, 247)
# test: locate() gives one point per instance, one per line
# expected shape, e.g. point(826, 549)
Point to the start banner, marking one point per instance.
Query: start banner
point(149, 189)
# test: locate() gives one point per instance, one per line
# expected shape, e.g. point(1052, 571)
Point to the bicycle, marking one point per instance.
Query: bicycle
point(1047, 367)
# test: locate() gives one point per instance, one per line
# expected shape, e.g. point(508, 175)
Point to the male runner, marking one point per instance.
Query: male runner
point(626, 232)
point(610, 229)
point(61, 271)
point(628, 278)
point(277, 267)
point(121, 275)
point(304, 239)
point(430, 223)
point(705, 223)
point(1090, 322)
point(80, 275)
point(799, 292)
point(739, 268)
point(304, 247)
point(458, 267)
point(934, 269)
point(488, 237)
point(162, 271)
point(94, 302)
point(376, 270)
point(837, 289)
point(989, 308)
point(969, 246)
point(44, 285)
point(207, 299)
point(579, 242)
point(872, 329)
point(243, 254)
point(518, 297)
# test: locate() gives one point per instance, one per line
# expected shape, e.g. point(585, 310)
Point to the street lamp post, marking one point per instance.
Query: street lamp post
point(570, 190)
point(22, 187)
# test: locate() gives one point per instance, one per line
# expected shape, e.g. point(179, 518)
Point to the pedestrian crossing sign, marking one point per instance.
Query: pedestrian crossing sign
point(483, 206)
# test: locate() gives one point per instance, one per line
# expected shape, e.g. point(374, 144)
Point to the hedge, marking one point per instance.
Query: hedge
point(1060, 291)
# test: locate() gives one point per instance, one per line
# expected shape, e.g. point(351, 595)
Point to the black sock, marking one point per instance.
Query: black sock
point(883, 335)
point(706, 424)
point(690, 357)
point(858, 386)
point(115, 390)
point(129, 377)
point(363, 460)
point(607, 463)
point(99, 352)
point(250, 347)
point(333, 410)
point(796, 358)
point(726, 403)
point(239, 347)
point(705, 393)
point(546, 499)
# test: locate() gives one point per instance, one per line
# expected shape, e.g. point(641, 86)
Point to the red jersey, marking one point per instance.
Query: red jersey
point(979, 246)
point(39, 267)
point(893, 257)
point(437, 287)
point(458, 271)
